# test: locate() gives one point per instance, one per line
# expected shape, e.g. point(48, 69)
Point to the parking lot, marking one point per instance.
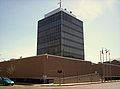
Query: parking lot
point(112, 85)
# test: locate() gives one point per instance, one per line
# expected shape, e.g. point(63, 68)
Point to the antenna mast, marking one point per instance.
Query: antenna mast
point(60, 4)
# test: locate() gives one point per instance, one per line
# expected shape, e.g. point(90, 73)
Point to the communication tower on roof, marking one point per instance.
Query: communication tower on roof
point(60, 3)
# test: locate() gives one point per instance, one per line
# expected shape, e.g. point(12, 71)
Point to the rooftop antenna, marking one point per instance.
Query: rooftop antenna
point(60, 4)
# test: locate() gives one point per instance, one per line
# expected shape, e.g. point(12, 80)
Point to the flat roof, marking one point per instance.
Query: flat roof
point(58, 10)
point(49, 55)
point(67, 58)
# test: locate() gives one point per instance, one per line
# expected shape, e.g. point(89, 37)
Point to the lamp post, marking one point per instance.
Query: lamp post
point(45, 68)
point(59, 72)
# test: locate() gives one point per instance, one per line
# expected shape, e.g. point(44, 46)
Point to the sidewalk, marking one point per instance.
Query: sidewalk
point(73, 84)
point(67, 84)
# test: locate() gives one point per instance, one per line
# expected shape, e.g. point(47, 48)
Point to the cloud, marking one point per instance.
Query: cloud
point(91, 9)
point(110, 3)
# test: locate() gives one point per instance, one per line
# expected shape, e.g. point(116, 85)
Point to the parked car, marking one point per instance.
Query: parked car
point(6, 81)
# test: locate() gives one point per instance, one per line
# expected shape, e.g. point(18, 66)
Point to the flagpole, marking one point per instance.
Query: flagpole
point(110, 65)
point(103, 55)
point(100, 57)
point(106, 54)
point(103, 63)
point(102, 66)
point(106, 64)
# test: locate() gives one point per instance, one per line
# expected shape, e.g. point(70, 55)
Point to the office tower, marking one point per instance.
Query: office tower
point(60, 33)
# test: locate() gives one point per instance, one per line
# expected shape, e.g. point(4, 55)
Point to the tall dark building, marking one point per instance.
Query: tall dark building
point(60, 33)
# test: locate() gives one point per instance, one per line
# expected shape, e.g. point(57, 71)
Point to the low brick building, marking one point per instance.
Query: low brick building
point(108, 70)
point(49, 67)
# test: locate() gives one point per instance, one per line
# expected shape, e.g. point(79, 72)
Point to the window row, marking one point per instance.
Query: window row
point(76, 46)
point(51, 29)
point(49, 32)
point(72, 26)
point(74, 38)
point(48, 38)
point(49, 44)
point(50, 50)
point(49, 26)
point(76, 35)
point(72, 49)
point(67, 17)
point(72, 20)
point(69, 39)
point(73, 55)
point(80, 29)
point(50, 19)
point(74, 32)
